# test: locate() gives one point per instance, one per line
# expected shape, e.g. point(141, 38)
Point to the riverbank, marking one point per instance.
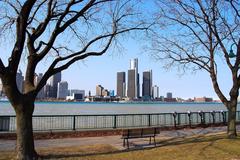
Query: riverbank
point(184, 144)
point(97, 133)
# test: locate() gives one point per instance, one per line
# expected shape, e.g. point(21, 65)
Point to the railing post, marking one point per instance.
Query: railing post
point(149, 120)
point(179, 119)
point(224, 116)
point(174, 118)
point(74, 123)
point(189, 117)
point(202, 116)
point(115, 122)
point(213, 116)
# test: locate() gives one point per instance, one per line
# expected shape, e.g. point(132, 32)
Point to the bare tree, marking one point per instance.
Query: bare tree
point(199, 35)
point(62, 31)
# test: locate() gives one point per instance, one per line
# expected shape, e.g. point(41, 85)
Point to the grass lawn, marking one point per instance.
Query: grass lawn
point(214, 147)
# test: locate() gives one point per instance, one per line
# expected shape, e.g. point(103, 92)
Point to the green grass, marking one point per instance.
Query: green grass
point(214, 147)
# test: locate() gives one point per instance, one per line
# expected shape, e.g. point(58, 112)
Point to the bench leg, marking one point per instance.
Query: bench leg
point(124, 142)
point(127, 144)
point(150, 140)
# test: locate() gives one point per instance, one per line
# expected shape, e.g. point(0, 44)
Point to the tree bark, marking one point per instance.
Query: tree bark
point(231, 130)
point(25, 142)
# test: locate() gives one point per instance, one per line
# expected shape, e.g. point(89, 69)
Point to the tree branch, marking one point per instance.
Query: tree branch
point(20, 34)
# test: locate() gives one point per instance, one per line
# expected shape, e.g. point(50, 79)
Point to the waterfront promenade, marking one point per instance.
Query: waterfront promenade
point(116, 141)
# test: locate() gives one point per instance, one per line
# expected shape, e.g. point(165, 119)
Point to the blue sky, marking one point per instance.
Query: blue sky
point(103, 70)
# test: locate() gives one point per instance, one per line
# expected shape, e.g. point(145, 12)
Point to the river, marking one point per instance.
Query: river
point(83, 108)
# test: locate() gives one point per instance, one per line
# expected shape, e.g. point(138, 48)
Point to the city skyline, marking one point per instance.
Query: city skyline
point(108, 82)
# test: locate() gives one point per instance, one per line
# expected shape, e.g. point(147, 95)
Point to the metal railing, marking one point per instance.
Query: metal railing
point(117, 121)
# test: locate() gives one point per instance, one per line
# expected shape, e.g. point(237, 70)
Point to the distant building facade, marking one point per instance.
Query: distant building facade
point(1, 88)
point(37, 79)
point(20, 81)
point(121, 84)
point(62, 91)
point(76, 91)
point(105, 93)
point(169, 95)
point(47, 91)
point(54, 80)
point(76, 94)
point(147, 85)
point(133, 80)
point(155, 92)
point(203, 99)
point(111, 93)
point(99, 90)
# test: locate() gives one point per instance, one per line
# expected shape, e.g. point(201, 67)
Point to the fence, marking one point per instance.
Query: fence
point(87, 122)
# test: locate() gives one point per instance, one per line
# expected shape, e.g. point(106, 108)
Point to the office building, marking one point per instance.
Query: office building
point(133, 80)
point(62, 91)
point(155, 92)
point(19, 81)
point(121, 84)
point(169, 95)
point(47, 89)
point(147, 85)
point(1, 88)
point(111, 93)
point(105, 93)
point(76, 91)
point(203, 99)
point(76, 94)
point(54, 80)
point(37, 79)
point(99, 90)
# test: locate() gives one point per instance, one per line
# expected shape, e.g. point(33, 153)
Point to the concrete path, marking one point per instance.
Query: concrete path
point(115, 141)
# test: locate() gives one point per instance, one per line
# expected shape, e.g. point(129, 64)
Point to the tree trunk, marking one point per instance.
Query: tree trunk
point(232, 133)
point(25, 142)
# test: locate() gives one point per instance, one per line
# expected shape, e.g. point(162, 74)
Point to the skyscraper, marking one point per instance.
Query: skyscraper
point(155, 92)
point(169, 95)
point(99, 90)
point(147, 85)
point(19, 81)
point(1, 88)
point(54, 80)
point(62, 91)
point(37, 79)
point(133, 80)
point(121, 84)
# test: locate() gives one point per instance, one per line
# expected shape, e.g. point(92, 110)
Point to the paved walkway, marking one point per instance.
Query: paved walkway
point(115, 141)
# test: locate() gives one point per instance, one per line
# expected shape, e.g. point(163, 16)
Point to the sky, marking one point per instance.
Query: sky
point(103, 70)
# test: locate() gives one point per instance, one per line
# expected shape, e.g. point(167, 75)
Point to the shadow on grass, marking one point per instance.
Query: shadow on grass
point(136, 147)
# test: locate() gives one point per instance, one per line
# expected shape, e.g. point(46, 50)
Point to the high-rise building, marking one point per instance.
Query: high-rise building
point(155, 92)
point(37, 79)
point(1, 88)
point(111, 93)
point(62, 91)
point(47, 90)
point(169, 95)
point(19, 81)
point(121, 84)
point(76, 91)
point(54, 80)
point(105, 92)
point(99, 90)
point(133, 80)
point(147, 85)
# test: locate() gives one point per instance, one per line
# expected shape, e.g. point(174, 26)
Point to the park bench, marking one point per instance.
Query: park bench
point(139, 133)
